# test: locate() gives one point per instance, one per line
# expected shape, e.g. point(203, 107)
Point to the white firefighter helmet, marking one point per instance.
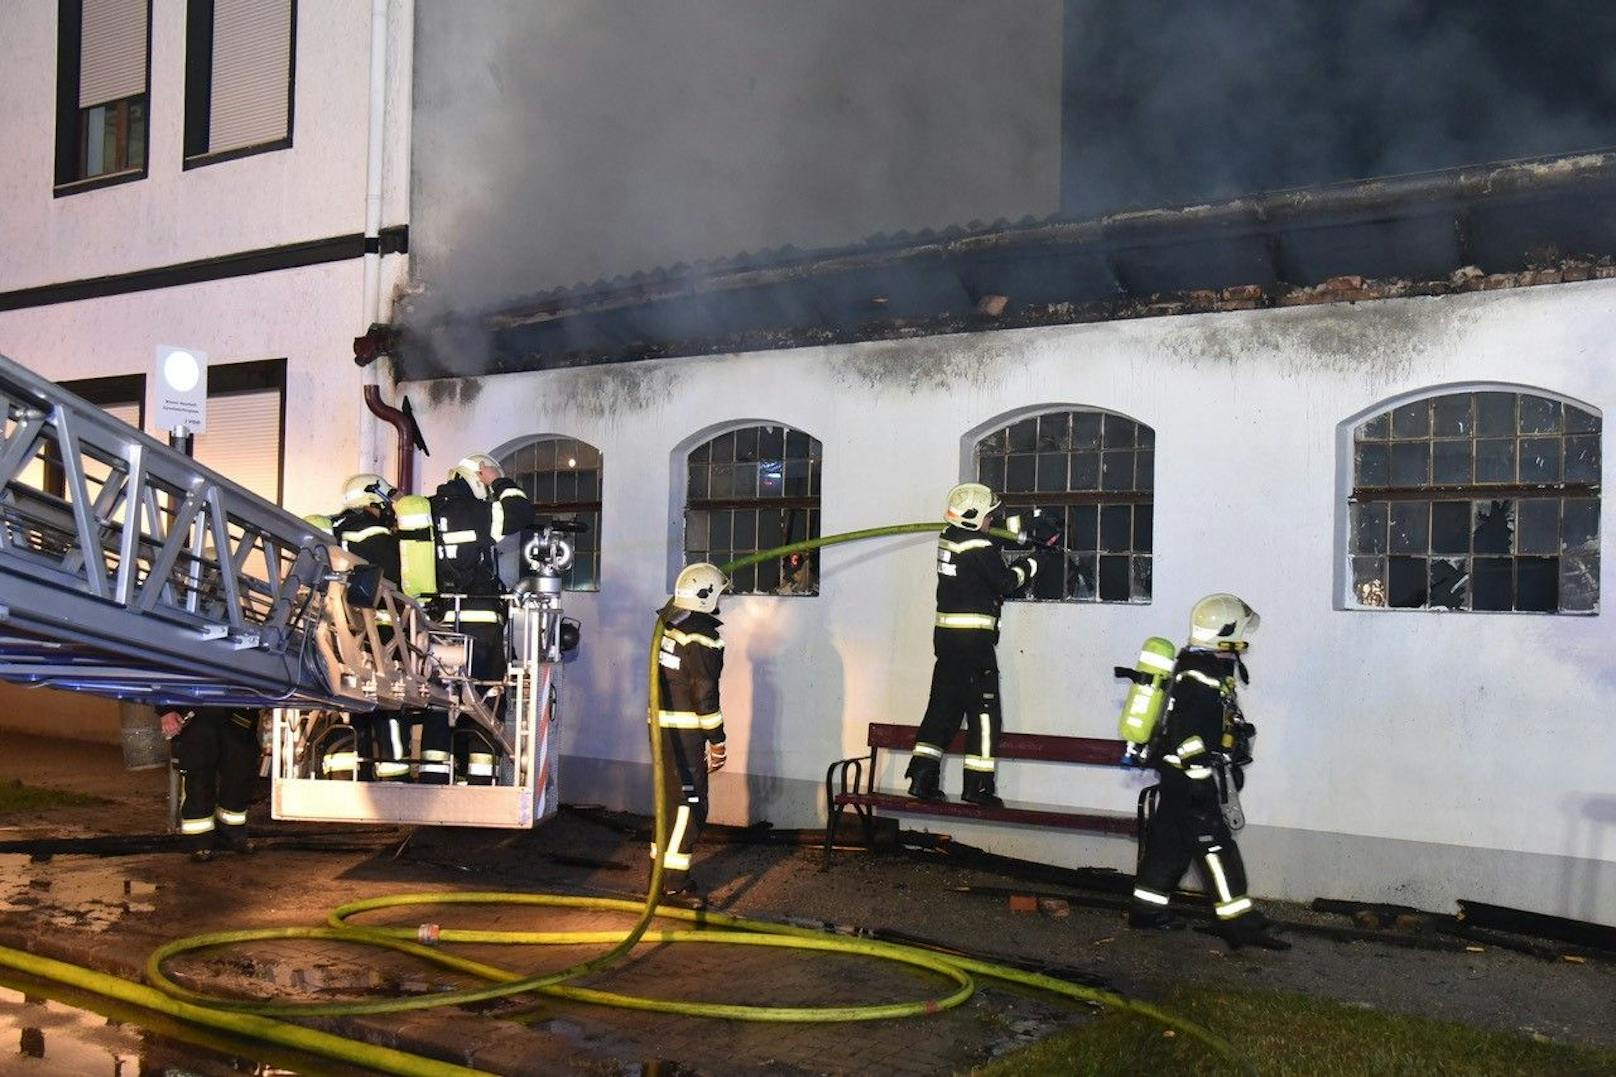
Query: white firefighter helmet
point(1222, 622)
point(471, 468)
point(969, 505)
point(363, 489)
point(697, 587)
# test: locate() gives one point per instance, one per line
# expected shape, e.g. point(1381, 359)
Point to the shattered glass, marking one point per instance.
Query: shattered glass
point(1580, 525)
point(1141, 579)
point(1406, 582)
point(1448, 581)
point(1080, 578)
point(1116, 528)
point(1376, 429)
point(1115, 584)
point(1537, 584)
point(1369, 581)
point(1494, 530)
point(1450, 527)
point(1492, 583)
point(1579, 582)
point(1082, 527)
point(1143, 528)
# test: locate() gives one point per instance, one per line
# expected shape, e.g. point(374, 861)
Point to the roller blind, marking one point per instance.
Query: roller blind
point(252, 57)
point(112, 51)
point(243, 442)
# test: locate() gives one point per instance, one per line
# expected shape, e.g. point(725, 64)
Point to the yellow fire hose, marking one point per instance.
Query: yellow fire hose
point(258, 1019)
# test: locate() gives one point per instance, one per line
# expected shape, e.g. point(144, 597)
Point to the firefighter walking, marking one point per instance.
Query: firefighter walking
point(690, 718)
point(973, 580)
point(216, 751)
point(1199, 752)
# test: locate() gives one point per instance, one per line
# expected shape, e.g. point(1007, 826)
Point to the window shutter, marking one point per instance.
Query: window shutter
point(112, 51)
point(243, 441)
point(252, 56)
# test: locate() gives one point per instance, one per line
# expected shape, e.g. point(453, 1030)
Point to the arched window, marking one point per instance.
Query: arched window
point(750, 489)
point(1097, 471)
point(562, 476)
point(1476, 501)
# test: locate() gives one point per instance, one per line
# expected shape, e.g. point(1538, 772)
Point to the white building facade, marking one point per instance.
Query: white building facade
point(217, 175)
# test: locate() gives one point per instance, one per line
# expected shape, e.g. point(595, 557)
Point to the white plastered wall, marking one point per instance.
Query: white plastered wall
point(1402, 755)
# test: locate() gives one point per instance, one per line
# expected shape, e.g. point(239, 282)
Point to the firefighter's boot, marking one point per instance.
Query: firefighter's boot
point(925, 778)
point(981, 790)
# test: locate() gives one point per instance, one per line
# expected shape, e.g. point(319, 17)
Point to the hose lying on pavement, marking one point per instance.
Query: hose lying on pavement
point(258, 1018)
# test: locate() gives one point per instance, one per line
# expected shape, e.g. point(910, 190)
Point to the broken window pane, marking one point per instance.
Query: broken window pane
point(1578, 421)
point(1369, 581)
point(1114, 581)
point(1579, 582)
point(1369, 527)
point(1411, 527)
point(990, 471)
point(1539, 415)
point(1141, 579)
point(1540, 459)
point(771, 443)
point(744, 580)
point(1492, 583)
point(1119, 432)
point(768, 577)
point(1411, 463)
point(1024, 436)
point(1494, 531)
point(1450, 527)
point(1086, 429)
point(799, 446)
point(1376, 429)
point(1047, 584)
point(1021, 473)
point(1582, 458)
point(1448, 579)
point(1080, 577)
point(1450, 463)
point(1495, 414)
point(1538, 526)
point(1405, 582)
point(746, 444)
point(1143, 527)
point(1116, 527)
point(1051, 472)
point(1117, 471)
point(1412, 420)
point(1537, 584)
point(1055, 431)
point(1451, 416)
point(1083, 527)
point(1579, 525)
point(1495, 460)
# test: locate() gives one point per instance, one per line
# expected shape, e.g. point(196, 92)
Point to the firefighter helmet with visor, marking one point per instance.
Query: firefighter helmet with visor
point(698, 587)
point(1222, 622)
point(969, 506)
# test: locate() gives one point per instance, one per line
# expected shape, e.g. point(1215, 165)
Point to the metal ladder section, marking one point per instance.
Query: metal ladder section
point(128, 569)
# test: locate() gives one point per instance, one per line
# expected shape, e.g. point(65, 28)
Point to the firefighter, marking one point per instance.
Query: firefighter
point(216, 750)
point(1200, 750)
point(690, 718)
point(973, 580)
point(368, 528)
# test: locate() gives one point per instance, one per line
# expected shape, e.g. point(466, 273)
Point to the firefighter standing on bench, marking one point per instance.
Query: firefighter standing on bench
point(1203, 741)
point(216, 750)
point(690, 719)
point(973, 581)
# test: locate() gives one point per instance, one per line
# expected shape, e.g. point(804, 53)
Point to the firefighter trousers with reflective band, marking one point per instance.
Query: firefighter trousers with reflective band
point(1187, 824)
point(433, 764)
point(684, 763)
point(964, 686)
point(217, 757)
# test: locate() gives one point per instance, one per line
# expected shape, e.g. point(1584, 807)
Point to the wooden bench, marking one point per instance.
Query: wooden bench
point(850, 785)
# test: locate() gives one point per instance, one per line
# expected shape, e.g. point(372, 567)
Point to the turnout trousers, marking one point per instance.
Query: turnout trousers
point(1188, 825)
point(964, 687)
point(684, 769)
point(217, 756)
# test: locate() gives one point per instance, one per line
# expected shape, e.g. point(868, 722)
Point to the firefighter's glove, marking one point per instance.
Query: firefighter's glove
point(717, 756)
point(1045, 531)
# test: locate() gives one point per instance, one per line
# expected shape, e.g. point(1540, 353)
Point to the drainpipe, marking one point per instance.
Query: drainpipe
point(373, 166)
point(404, 476)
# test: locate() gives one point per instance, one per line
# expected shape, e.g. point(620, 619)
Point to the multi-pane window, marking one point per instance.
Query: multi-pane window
point(1095, 471)
point(1477, 501)
point(239, 60)
point(562, 477)
point(103, 62)
point(752, 489)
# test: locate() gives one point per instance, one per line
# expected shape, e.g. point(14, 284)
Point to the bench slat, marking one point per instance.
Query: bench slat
point(1034, 746)
point(1028, 814)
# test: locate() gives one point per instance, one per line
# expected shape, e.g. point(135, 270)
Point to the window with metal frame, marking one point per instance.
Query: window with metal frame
point(750, 489)
point(103, 66)
point(563, 476)
point(1482, 501)
point(1096, 472)
point(240, 65)
point(246, 423)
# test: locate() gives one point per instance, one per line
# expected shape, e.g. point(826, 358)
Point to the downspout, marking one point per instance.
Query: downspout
point(404, 478)
point(373, 164)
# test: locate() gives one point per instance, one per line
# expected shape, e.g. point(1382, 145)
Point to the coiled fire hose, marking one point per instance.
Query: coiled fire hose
point(261, 1020)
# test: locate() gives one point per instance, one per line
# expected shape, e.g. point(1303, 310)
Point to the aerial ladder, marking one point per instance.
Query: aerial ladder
point(127, 569)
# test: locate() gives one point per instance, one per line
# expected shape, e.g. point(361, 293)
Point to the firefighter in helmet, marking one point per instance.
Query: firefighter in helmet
point(973, 580)
point(1200, 749)
point(690, 719)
